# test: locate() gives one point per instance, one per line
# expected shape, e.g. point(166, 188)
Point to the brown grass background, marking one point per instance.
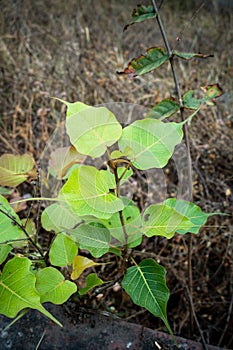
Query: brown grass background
point(72, 50)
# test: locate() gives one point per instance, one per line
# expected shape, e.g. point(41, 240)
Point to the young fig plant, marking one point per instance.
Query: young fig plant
point(92, 216)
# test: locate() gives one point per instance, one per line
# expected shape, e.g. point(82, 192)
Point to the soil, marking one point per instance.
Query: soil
point(72, 50)
point(88, 331)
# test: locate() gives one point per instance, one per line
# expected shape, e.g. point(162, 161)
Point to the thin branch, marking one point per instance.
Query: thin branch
point(179, 96)
point(161, 27)
point(38, 189)
point(13, 240)
point(190, 281)
point(105, 286)
point(120, 212)
point(196, 320)
point(24, 231)
point(113, 166)
point(187, 143)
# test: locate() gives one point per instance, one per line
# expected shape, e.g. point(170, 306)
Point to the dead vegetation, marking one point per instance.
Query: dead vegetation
point(72, 50)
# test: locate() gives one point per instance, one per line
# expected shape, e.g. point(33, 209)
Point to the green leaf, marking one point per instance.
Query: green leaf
point(191, 102)
point(87, 193)
point(70, 170)
point(164, 109)
point(141, 13)
point(189, 55)
point(92, 281)
point(146, 285)
point(116, 251)
point(53, 287)
point(91, 129)
point(62, 251)
point(118, 154)
point(17, 289)
point(132, 221)
point(9, 230)
point(154, 58)
point(108, 178)
point(152, 142)
point(4, 251)
point(15, 169)
point(93, 238)
point(22, 241)
point(73, 108)
point(6, 191)
point(212, 91)
point(162, 220)
point(59, 217)
point(81, 263)
point(62, 159)
point(124, 174)
point(191, 211)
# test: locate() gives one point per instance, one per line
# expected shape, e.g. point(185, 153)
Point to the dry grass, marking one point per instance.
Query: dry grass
point(72, 49)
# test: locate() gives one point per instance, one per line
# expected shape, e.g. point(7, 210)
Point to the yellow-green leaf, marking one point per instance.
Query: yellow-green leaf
point(53, 287)
point(81, 263)
point(15, 169)
point(9, 231)
point(88, 193)
point(63, 250)
point(59, 217)
point(91, 129)
point(17, 289)
point(152, 142)
point(162, 220)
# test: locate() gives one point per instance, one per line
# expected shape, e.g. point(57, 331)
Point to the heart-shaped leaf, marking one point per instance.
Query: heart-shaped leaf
point(73, 108)
point(17, 289)
point(16, 169)
point(91, 129)
point(146, 285)
point(63, 250)
point(154, 58)
point(81, 263)
point(162, 220)
point(53, 287)
point(59, 217)
point(87, 193)
point(92, 237)
point(191, 211)
point(152, 142)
